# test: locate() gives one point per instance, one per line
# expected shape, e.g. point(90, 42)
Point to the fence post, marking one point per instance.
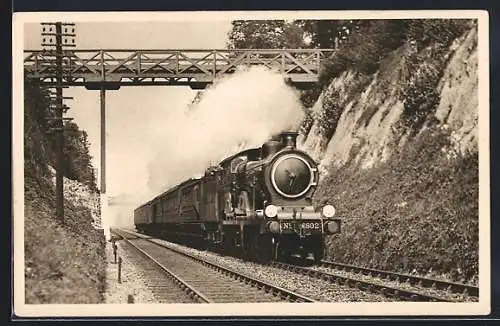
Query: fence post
point(119, 269)
point(115, 248)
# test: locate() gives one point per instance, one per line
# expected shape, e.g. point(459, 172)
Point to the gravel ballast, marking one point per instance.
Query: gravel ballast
point(398, 284)
point(308, 286)
point(131, 279)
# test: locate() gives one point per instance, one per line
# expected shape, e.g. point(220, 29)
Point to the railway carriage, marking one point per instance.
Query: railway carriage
point(257, 203)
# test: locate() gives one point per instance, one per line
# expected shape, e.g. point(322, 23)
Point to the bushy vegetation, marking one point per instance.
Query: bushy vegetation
point(369, 42)
point(436, 32)
point(307, 121)
point(63, 263)
point(334, 102)
point(39, 141)
point(425, 67)
point(330, 113)
point(417, 212)
point(264, 34)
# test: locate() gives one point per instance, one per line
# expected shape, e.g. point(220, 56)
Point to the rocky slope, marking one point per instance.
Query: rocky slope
point(64, 263)
point(81, 195)
point(372, 107)
point(401, 165)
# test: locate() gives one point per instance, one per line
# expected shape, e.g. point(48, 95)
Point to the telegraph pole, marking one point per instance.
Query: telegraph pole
point(54, 32)
point(103, 139)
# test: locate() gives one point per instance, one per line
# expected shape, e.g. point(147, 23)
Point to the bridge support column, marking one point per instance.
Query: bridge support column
point(104, 197)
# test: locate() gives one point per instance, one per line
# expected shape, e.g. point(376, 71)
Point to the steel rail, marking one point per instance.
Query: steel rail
point(385, 290)
point(411, 279)
point(190, 290)
point(275, 290)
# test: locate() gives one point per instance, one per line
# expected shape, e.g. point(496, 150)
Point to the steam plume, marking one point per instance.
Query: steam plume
point(239, 112)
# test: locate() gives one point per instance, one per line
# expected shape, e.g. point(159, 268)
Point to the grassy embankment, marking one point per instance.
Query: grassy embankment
point(416, 213)
point(63, 263)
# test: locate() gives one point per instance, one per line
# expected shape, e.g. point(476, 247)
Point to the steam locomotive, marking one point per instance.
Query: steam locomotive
point(256, 204)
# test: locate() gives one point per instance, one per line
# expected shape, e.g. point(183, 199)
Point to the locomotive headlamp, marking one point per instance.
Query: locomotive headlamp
point(271, 211)
point(328, 211)
point(274, 227)
point(333, 226)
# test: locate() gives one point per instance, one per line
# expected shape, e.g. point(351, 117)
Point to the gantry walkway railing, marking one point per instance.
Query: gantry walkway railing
point(195, 68)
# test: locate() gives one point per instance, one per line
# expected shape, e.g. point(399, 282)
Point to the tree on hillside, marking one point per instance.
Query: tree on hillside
point(293, 35)
point(77, 154)
point(437, 31)
point(39, 141)
point(265, 34)
point(272, 34)
point(323, 34)
point(37, 147)
point(329, 34)
point(366, 43)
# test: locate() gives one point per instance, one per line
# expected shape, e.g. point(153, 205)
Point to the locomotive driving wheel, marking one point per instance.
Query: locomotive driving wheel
point(228, 245)
point(319, 252)
point(246, 244)
point(281, 250)
point(265, 248)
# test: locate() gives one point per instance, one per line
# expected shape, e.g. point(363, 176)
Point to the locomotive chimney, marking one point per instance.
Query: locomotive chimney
point(289, 138)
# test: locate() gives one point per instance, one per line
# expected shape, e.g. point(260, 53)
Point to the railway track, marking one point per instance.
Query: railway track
point(463, 289)
point(163, 285)
point(391, 285)
point(207, 282)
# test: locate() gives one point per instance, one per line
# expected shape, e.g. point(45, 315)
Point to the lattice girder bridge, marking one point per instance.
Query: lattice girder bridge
point(110, 69)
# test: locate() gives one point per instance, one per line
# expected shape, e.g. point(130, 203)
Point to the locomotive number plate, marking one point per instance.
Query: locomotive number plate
point(311, 225)
point(287, 226)
point(306, 226)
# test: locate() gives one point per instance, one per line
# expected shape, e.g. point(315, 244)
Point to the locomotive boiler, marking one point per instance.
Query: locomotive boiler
point(256, 203)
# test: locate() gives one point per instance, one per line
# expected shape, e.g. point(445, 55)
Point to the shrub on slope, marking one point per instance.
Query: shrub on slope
point(417, 212)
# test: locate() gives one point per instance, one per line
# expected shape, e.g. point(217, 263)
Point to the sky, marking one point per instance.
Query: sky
point(133, 113)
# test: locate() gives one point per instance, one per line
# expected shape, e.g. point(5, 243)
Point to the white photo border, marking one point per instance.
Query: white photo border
point(21, 309)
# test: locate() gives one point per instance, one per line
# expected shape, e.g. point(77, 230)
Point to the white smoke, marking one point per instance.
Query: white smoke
point(239, 112)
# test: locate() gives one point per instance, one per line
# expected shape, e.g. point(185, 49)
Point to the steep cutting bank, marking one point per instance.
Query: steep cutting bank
point(399, 156)
point(63, 263)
